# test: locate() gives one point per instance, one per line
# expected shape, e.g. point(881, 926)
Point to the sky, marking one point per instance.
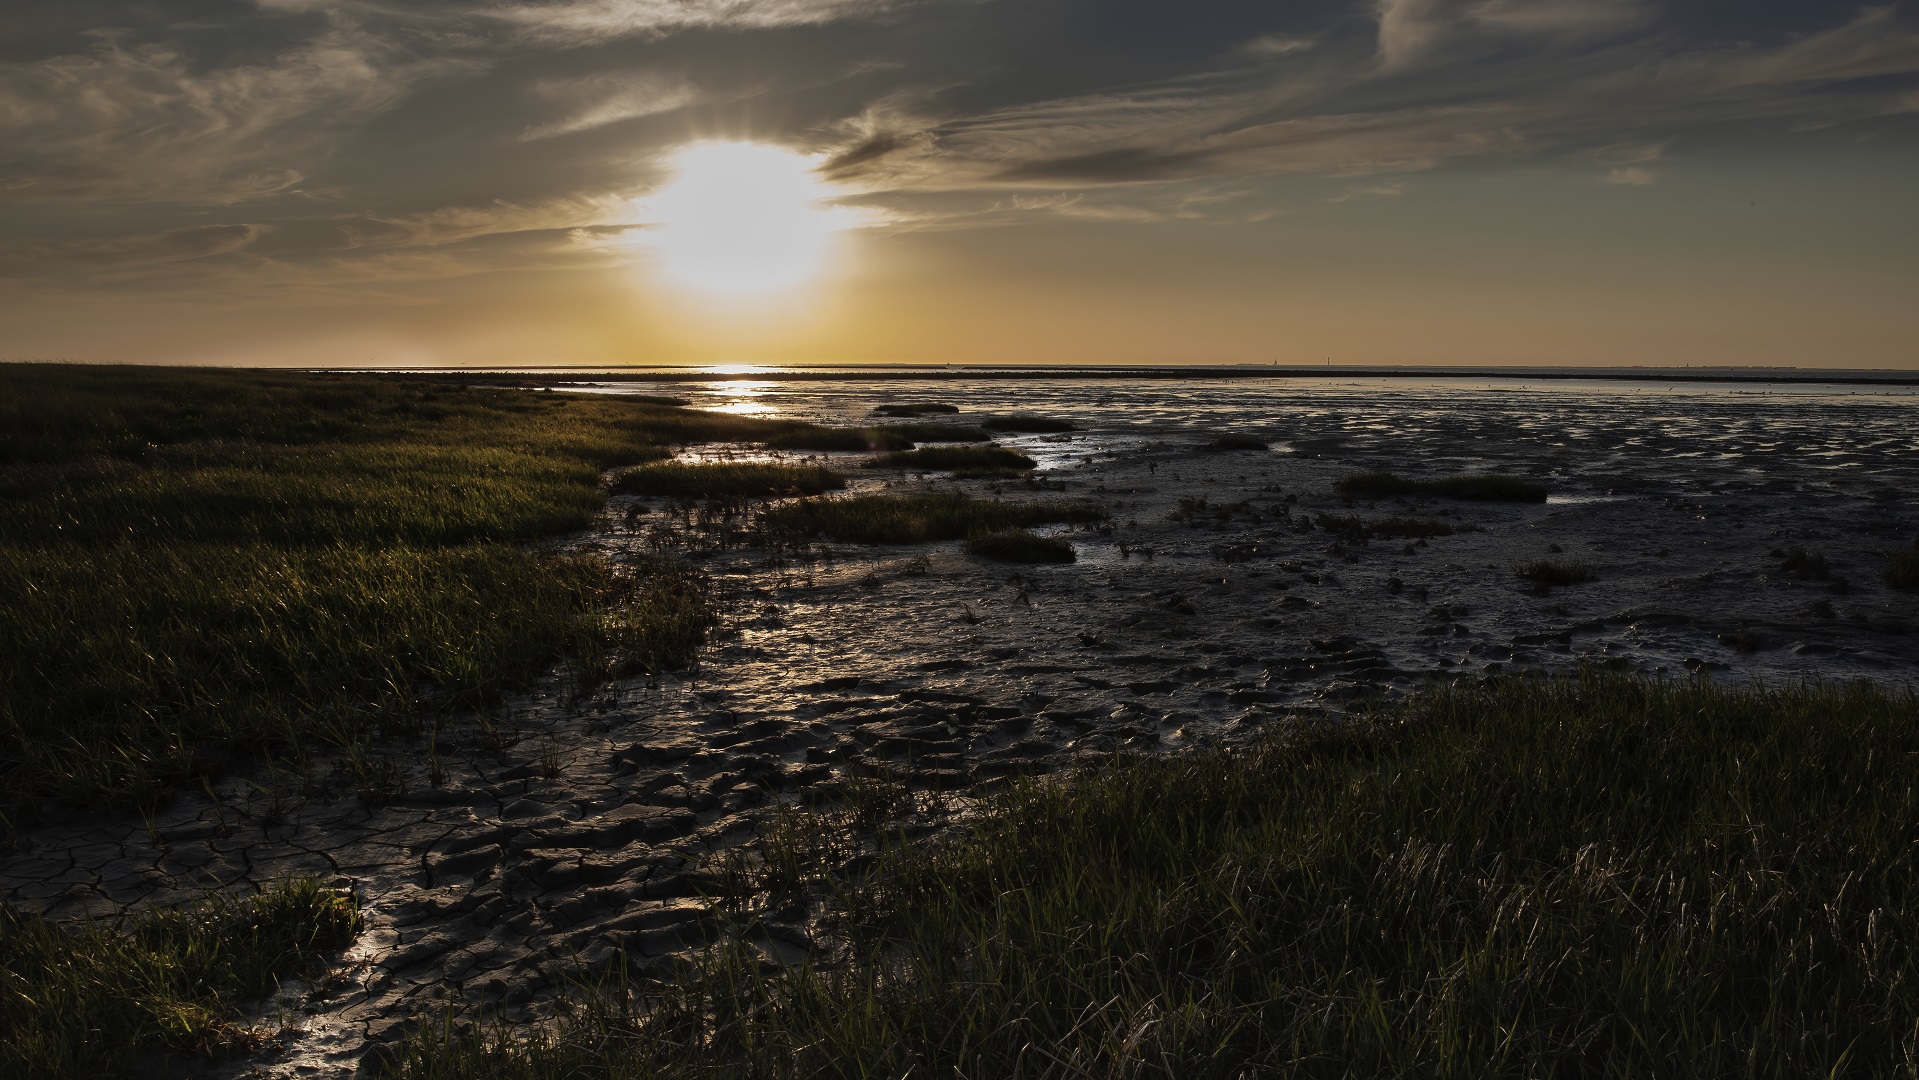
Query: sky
point(608, 182)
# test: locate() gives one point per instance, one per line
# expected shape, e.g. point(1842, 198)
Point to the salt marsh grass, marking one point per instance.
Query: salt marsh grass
point(968, 458)
point(726, 480)
point(1596, 876)
point(118, 999)
point(915, 408)
point(919, 519)
point(199, 564)
point(1020, 546)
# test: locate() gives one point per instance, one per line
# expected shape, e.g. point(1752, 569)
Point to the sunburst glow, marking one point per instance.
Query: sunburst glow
point(742, 217)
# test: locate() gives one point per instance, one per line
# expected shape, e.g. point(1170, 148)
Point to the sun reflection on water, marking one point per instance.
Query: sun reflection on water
point(739, 398)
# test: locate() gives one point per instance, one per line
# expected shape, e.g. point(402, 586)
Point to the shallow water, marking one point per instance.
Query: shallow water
point(1683, 498)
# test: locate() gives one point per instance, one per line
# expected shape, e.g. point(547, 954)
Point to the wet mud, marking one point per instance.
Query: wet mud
point(1733, 535)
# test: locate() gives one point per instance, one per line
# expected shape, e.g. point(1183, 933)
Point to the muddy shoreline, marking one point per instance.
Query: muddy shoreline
point(565, 832)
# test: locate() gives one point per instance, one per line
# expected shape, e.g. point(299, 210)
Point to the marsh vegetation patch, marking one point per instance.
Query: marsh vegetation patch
point(910, 409)
point(726, 480)
point(1020, 546)
point(967, 458)
point(81, 1001)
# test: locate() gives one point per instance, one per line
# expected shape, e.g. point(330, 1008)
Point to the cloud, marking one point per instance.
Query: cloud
point(1371, 191)
point(1871, 44)
point(598, 100)
point(147, 123)
point(589, 22)
point(1629, 153)
point(1560, 16)
point(121, 252)
point(918, 109)
point(1631, 176)
point(1596, 88)
point(1406, 28)
point(458, 224)
point(1277, 45)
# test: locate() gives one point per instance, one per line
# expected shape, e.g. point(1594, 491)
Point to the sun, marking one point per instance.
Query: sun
point(741, 217)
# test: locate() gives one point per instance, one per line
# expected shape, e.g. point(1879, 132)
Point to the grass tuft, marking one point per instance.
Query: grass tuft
point(1596, 876)
point(919, 519)
point(1490, 487)
point(1026, 422)
point(103, 1000)
point(726, 480)
point(910, 409)
point(1020, 546)
point(968, 457)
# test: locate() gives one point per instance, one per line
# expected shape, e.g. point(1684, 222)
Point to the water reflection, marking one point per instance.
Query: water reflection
point(742, 399)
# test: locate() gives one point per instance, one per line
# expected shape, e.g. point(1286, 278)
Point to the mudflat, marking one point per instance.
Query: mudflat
point(1226, 583)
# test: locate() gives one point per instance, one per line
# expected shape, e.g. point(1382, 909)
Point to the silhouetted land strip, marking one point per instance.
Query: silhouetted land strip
point(1590, 876)
point(532, 377)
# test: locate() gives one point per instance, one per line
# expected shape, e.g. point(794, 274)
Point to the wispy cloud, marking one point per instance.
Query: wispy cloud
point(915, 107)
point(145, 123)
point(595, 101)
point(1620, 99)
point(585, 22)
point(122, 252)
point(457, 224)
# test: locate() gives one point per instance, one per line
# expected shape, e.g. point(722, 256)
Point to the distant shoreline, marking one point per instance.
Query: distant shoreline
point(942, 373)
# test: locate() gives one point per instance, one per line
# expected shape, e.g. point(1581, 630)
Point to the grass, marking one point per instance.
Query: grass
point(1902, 568)
point(1234, 441)
point(919, 519)
point(201, 564)
point(968, 458)
point(107, 1000)
point(1026, 422)
point(726, 480)
point(1020, 546)
point(1599, 876)
point(1550, 572)
point(1489, 487)
point(915, 408)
